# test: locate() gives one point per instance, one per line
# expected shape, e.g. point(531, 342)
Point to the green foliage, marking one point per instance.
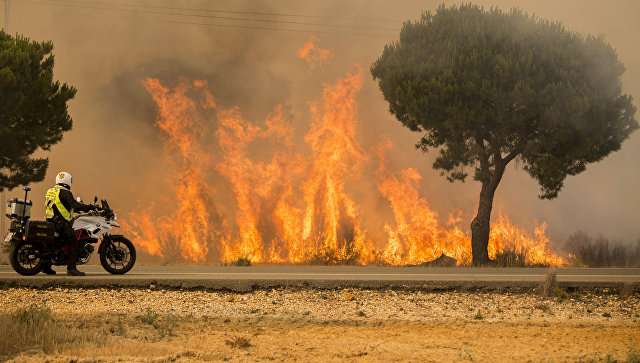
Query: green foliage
point(149, 318)
point(633, 356)
point(487, 87)
point(465, 354)
point(544, 308)
point(33, 109)
point(561, 295)
point(478, 316)
point(164, 327)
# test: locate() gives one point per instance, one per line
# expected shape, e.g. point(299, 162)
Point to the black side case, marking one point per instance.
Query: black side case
point(40, 231)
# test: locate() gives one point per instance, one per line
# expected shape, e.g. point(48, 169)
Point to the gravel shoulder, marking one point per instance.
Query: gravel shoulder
point(333, 325)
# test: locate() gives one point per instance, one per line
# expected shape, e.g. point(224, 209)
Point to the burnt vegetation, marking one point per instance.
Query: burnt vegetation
point(587, 251)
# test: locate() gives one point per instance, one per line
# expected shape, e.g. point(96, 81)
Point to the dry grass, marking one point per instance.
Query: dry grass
point(628, 289)
point(239, 334)
point(35, 328)
point(238, 342)
point(601, 252)
point(549, 285)
point(509, 258)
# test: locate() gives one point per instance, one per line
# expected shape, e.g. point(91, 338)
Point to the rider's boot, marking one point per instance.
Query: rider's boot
point(48, 270)
point(73, 271)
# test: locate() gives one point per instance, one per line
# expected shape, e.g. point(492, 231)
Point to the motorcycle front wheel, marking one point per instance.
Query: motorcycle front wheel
point(119, 256)
point(24, 258)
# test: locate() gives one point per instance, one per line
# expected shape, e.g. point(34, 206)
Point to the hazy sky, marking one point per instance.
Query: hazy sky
point(114, 151)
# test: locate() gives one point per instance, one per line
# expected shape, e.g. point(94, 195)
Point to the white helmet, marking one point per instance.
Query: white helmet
point(64, 178)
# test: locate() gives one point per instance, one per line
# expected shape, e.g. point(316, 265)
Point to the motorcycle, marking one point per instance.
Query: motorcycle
point(34, 244)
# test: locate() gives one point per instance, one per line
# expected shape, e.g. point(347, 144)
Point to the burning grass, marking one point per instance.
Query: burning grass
point(290, 197)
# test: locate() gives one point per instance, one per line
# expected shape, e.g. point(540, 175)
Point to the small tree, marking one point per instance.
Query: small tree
point(488, 87)
point(33, 109)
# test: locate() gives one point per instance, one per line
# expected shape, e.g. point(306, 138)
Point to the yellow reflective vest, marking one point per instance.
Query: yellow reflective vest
point(53, 198)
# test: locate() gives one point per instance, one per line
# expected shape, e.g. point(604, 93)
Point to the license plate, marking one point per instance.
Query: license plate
point(8, 237)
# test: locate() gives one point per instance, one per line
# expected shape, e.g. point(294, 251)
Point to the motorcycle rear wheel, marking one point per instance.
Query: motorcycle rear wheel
point(119, 256)
point(24, 259)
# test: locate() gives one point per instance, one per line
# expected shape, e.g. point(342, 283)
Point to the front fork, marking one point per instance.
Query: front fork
point(106, 242)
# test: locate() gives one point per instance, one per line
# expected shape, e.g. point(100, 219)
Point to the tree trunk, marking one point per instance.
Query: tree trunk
point(480, 226)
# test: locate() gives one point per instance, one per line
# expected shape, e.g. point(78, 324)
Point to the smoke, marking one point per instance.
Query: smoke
point(115, 150)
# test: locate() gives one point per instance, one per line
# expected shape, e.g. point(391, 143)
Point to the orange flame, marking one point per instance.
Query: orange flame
point(417, 235)
point(505, 236)
point(179, 119)
point(291, 203)
point(312, 54)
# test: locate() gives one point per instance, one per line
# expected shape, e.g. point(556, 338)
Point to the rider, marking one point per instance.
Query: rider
point(59, 208)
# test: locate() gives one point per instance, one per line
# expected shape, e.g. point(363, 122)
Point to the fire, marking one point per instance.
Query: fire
point(417, 236)
point(505, 236)
point(291, 204)
point(254, 185)
point(179, 119)
point(312, 54)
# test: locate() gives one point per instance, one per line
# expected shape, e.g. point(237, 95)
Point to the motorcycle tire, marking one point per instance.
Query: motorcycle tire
point(119, 252)
point(22, 257)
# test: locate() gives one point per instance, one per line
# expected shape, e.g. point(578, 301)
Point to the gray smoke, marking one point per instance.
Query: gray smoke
point(114, 150)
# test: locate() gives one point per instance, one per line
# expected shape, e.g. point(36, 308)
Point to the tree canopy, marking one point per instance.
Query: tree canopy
point(487, 87)
point(33, 109)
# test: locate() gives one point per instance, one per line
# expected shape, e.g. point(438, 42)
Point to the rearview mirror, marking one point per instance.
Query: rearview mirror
point(95, 200)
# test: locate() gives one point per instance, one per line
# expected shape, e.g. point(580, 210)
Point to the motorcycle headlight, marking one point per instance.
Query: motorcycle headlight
point(115, 217)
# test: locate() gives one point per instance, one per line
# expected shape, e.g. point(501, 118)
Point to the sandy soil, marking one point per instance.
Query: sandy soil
point(336, 325)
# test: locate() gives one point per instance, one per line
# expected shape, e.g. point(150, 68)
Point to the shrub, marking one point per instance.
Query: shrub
point(560, 294)
point(600, 251)
point(149, 318)
point(478, 316)
point(549, 284)
point(241, 261)
point(544, 308)
point(164, 327)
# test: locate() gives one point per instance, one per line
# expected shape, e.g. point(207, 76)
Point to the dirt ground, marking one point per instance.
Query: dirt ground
point(328, 325)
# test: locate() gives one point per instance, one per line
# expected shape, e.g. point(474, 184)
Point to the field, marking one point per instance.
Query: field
point(99, 325)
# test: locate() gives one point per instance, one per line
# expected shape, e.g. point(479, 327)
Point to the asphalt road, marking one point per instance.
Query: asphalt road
point(248, 278)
